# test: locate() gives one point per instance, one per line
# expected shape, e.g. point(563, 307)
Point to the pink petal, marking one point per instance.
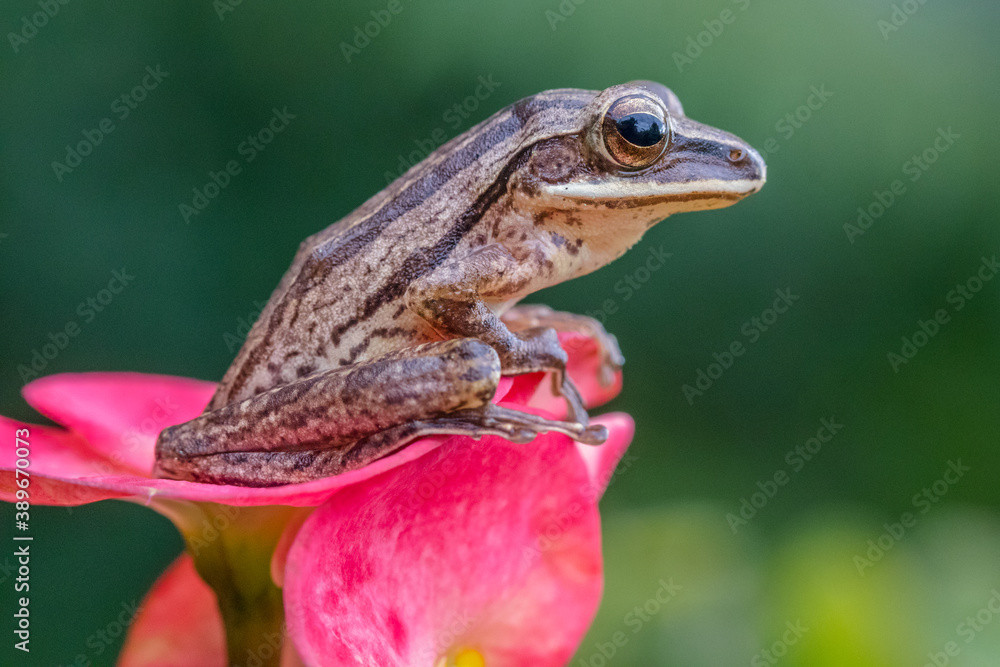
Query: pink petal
point(54, 455)
point(53, 451)
point(503, 388)
point(601, 461)
point(584, 369)
point(490, 546)
point(119, 414)
point(179, 623)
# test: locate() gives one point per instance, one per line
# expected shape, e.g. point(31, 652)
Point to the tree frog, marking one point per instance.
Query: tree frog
point(399, 320)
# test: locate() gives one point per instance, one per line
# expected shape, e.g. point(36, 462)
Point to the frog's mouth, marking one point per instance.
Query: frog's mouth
point(640, 194)
point(644, 191)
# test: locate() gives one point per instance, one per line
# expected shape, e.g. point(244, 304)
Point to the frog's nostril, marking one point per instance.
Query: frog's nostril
point(737, 155)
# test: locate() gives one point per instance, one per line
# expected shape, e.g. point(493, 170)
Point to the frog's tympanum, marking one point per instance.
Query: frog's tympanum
point(399, 320)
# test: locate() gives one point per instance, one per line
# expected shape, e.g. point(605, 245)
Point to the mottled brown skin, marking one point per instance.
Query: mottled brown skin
point(399, 320)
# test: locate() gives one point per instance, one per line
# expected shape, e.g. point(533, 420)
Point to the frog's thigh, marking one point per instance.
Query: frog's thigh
point(337, 408)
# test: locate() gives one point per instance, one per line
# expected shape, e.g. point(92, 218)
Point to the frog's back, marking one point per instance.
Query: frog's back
point(341, 301)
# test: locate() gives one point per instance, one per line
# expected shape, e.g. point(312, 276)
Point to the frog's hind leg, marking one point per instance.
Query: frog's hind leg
point(342, 419)
point(276, 468)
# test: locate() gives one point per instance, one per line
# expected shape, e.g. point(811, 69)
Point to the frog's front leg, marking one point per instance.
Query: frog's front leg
point(342, 419)
point(530, 316)
point(453, 299)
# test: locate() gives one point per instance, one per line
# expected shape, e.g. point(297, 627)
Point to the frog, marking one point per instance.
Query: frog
point(398, 321)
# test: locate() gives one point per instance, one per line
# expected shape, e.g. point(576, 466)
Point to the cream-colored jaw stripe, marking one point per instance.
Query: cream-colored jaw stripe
point(625, 189)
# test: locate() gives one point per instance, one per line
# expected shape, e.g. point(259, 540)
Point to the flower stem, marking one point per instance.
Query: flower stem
point(232, 549)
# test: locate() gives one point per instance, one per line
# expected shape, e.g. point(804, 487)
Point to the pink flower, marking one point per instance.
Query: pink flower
point(450, 549)
point(482, 553)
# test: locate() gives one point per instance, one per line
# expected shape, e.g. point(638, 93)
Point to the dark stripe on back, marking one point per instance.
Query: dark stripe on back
point(365, 233)
point(356, 238)
point(425, 260)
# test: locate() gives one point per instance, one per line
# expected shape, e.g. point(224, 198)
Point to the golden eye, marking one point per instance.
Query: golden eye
point(636, 131)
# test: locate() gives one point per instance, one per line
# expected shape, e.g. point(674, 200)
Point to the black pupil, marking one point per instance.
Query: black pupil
point(640, 129)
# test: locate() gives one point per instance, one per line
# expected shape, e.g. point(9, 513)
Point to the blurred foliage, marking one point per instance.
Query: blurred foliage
point(197, 281)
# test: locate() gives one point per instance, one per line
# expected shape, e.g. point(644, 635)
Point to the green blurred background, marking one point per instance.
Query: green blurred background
point(792, 564)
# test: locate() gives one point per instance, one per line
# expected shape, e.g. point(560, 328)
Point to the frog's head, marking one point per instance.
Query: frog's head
point(633, 159)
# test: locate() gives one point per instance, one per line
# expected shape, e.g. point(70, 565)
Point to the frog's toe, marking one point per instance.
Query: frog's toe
point(595, 434)
point(574, 401)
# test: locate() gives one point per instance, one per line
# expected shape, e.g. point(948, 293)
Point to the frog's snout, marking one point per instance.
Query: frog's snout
point(752, 164)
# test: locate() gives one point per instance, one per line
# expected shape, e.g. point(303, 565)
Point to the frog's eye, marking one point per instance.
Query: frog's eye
point(636, 131)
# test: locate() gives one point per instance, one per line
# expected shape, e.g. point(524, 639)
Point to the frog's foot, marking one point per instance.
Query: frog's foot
point(533, 316)
point(490, 419)
point(538, 349)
